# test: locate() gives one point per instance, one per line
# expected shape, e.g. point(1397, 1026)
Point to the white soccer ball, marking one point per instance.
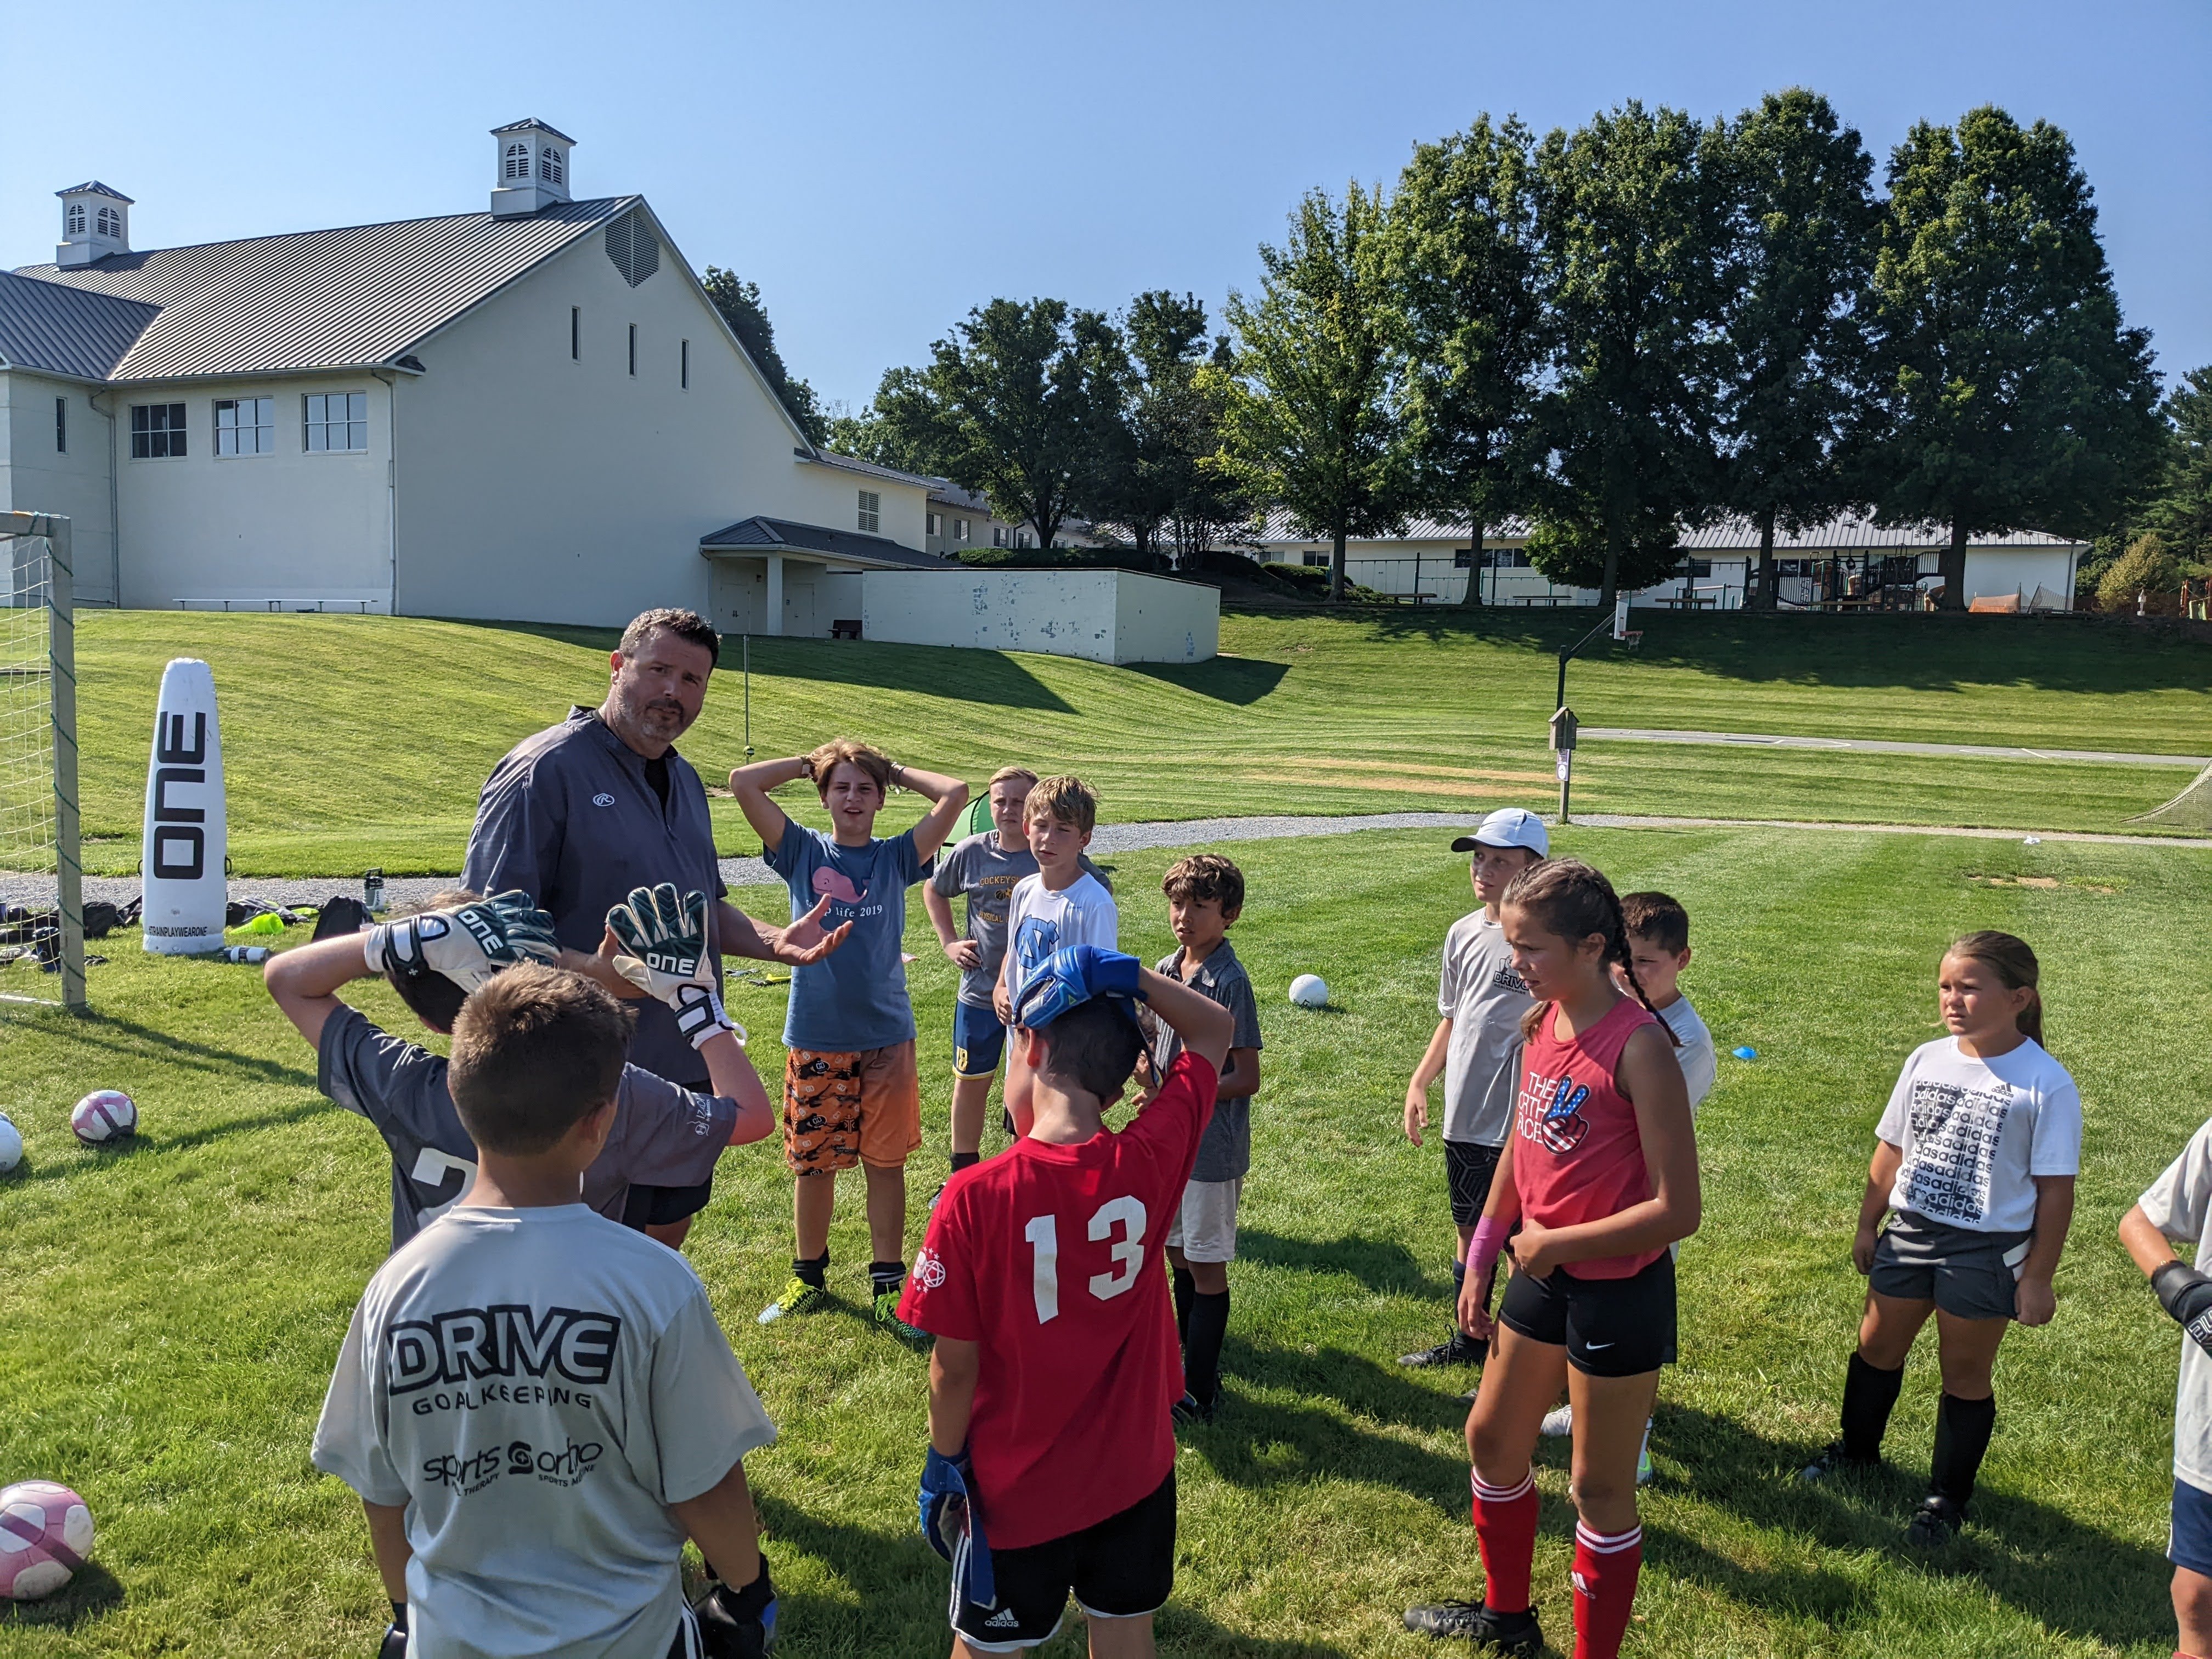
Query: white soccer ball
point(1310, 991)
point(46, 1533)
point(11, 1146)
point(104, 1116)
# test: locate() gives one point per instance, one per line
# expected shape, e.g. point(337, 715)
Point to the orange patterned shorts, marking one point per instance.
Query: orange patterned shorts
point(839, 1110)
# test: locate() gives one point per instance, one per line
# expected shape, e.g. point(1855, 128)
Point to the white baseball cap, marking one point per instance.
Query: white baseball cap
point(1508, 826)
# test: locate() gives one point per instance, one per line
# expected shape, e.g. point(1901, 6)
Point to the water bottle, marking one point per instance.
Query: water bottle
point(372, 891)
point(245, 953)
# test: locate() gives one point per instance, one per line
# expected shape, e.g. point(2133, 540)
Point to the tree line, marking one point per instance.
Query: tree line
point(1617, 333)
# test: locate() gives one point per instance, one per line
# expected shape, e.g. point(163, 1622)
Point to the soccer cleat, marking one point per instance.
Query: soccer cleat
point(934, 1196)
point(1188, 1412)
point(1559, 1423)
point(1471, 1621)
point(1644, 1471)
point(797, 1298)
point(887, 1316)
point(1832, 1462)
point(1935, 1524)
point(1457, 1349)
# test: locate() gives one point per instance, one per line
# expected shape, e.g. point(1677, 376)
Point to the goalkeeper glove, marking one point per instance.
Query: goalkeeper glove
point(395, 1634)
point(1072, 975)
point(737, 1623)
point(2187, 1295)
point(468, 944)
point(664, 954)
point(954, 1531)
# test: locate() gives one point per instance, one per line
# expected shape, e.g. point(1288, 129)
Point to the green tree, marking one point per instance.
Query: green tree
point(2182, 511)
point(1309, 417)
point(1803, 225)
point(902, 427)
point(1015, 401)
point(739, 302)
point(1155, 477)
point(1569, 547)
point(1466, 260)
point(2011, 394)
point(1631, 211)
point(2147, 571)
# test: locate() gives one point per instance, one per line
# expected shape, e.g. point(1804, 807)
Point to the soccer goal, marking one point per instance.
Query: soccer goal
point(39, 833)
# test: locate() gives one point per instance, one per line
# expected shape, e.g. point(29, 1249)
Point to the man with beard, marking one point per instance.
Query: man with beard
point(584, 812)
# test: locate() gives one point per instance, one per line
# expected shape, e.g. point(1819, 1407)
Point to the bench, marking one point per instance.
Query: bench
point(845, 627)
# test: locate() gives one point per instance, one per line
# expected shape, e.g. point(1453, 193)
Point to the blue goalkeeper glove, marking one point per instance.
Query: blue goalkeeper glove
point(737, 1623)
point(954, 1531)
point(1073, 974)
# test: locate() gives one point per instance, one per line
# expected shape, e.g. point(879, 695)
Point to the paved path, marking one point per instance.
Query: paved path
point(1881, 746)
point(1112, 838)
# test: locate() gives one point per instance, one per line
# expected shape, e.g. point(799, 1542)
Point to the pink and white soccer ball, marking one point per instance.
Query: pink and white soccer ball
point(46, 1534)
point(104, 1115)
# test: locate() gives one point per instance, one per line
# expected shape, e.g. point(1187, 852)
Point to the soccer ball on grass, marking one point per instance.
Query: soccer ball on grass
point(1310, 991)
point(46, 1533)
point(104, 1116)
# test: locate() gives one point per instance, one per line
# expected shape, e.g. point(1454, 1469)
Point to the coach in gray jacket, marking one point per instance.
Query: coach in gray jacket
point(584, 812)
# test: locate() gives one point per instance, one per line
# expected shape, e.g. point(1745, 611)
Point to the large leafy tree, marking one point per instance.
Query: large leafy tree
point(902, 427)
point(2182, 511)
point(1632, 215)
point(1803, 223)
point(1155, 478)
point(739, 302)
point(1569, 546)
point(1310, 418)
point(1466, 262)
point(2012, 394)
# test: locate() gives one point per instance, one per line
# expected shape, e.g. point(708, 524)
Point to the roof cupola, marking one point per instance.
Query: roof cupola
point(96, 222)
point(533, 168)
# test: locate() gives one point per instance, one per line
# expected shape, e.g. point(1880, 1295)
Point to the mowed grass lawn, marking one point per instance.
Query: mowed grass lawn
point(168, 1314)
point(357, 741)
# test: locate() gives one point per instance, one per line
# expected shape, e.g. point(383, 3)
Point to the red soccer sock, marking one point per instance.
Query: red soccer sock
point(1606, 1569)
point(1505, 1530)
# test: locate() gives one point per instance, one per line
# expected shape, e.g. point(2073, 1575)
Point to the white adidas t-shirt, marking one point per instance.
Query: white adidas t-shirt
point(2178, 1205)
point(537, 1387)
point(1976, 1133)
point(1039, 921)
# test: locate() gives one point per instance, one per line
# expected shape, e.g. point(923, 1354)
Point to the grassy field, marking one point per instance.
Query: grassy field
point(168, 1314)
point(354, 741)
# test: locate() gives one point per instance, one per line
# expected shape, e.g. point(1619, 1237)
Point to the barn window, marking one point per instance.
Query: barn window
point(245, 426)
point(157, 432)
point(871, 511)
point(337, 421)
point(683, 364)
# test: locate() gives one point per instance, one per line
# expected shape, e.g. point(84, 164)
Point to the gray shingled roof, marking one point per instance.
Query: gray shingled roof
point(765, 535)
point(65, 330)
point(348, 298)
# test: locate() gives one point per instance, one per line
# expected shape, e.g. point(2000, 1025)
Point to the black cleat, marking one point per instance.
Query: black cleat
point(1458, 1349)
point(1834, 1461)
point(1189, 1412)
point(1935, 1524)
point(1471, 1621)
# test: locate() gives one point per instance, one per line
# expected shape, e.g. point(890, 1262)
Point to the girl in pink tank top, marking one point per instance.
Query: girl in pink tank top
point(1600, 1176)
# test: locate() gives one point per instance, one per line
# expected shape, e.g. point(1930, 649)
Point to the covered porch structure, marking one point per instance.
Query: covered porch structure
point(776, 577)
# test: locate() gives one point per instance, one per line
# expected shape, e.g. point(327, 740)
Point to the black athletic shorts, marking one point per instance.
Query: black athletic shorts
point(656, 1206)
point(1609, 1327)
point(1122, 1568)
point(1468, 1167)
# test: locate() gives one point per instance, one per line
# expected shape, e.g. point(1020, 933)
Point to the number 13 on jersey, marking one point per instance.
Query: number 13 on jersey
point(1042, 1232)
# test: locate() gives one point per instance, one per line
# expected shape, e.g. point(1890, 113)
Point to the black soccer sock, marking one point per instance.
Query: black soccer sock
point(1870, 1396)
point(1201, 1360)
point(815, 1272)
point(1962, 1434)
point(962, 1160)
point(1185, 1288)
point(886, 1276)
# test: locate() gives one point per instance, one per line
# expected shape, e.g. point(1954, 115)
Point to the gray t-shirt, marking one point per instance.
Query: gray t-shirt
point(979, 867)
point(2178, 1204)
point(1224, 1153)
point(1484, 999)
point(663, 1136)
point(537, 1387)
point(854, 998)
point(570, 817)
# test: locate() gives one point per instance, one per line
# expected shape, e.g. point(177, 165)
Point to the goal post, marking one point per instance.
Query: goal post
point(39, 828)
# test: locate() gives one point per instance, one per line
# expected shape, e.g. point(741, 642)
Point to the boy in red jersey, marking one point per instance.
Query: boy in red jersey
point(1055, 1367)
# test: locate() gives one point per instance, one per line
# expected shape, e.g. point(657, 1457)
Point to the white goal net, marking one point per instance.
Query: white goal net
point(42, 920)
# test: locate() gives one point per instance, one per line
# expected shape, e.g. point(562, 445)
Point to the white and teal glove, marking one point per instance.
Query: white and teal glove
point(468, 943)
point(666, 954)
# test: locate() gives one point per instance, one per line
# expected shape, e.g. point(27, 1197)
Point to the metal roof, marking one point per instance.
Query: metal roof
point(348, 297)
point(532, 124)
point(765, 535)
point(873, 470)
point(93, 187)
point(1846, 533)
point(65, 331)
point(1279, 526)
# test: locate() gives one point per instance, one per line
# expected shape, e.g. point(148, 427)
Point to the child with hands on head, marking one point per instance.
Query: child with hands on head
point(1600, 1176)
point(1976, 1154)
point(1051, 1463)
point(1061, 905)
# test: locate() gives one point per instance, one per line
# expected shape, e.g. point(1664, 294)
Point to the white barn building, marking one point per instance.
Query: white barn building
point(533, 413)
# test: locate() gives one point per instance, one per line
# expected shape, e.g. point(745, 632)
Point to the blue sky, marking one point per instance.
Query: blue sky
point(879, 168)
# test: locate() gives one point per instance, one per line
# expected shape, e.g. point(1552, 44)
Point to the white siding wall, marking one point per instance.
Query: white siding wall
point(291, 526)
point(1103, 615)
point(34, 478)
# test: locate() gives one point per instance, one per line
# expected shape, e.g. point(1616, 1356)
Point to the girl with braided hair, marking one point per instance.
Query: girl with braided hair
point(1598, 1178)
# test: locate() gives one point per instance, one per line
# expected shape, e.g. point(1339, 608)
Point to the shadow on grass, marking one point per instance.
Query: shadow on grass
point(1243, 681)
point(127, 1037)
point(2071, 1578)
point(93, 1593)
point(140, 1145)
point(1378, 1264)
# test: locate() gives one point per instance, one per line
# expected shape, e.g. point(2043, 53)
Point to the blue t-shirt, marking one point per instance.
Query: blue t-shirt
point(855, 998)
